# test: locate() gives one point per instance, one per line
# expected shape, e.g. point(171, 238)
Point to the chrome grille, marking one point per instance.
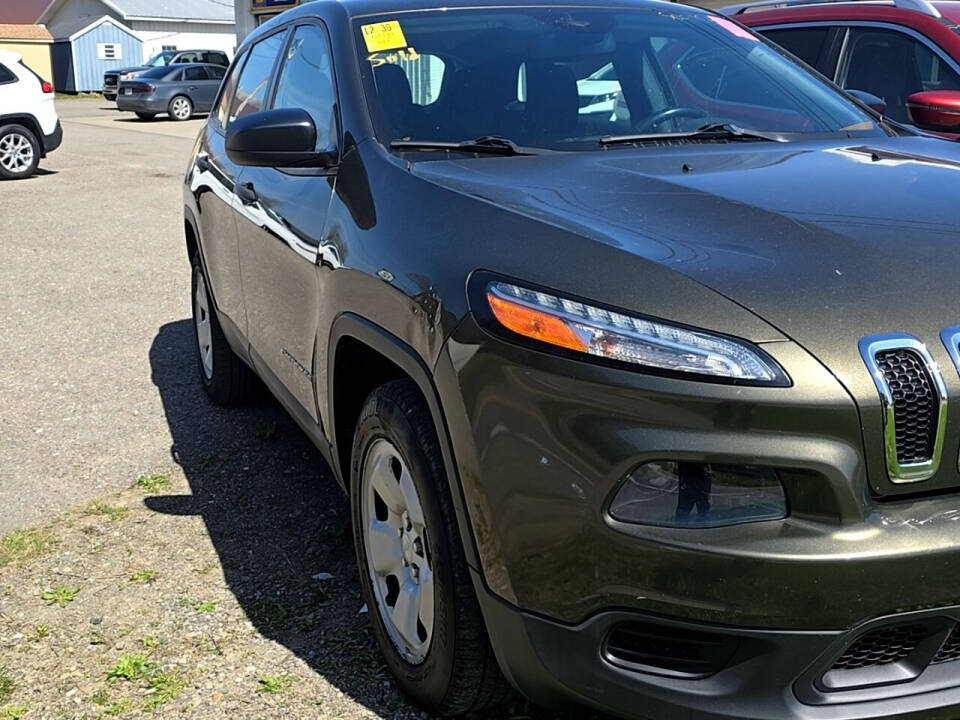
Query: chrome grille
point(914, 404)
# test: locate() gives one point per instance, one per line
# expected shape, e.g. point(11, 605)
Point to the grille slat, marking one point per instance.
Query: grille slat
point(915, 403)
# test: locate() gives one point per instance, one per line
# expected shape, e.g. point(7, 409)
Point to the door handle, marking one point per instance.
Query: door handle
point(192, 87)
point(247, 193)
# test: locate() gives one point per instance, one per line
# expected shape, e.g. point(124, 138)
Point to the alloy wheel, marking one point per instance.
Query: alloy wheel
point(204, 331)
point(16, 153)
point(180, 107)
point(397, 551)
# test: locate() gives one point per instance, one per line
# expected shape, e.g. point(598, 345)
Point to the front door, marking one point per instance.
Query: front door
point(213, 184)
point(281, 228)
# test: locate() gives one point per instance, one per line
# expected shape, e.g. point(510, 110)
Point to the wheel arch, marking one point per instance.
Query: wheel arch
point(28, 121)
point(364, 356)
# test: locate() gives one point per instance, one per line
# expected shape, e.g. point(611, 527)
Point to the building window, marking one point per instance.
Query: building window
point(169, 48)
point(109, 51)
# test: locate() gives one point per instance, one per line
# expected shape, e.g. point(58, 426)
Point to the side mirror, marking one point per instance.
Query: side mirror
point(283, 138)
point(870, 100)
point(935, 110)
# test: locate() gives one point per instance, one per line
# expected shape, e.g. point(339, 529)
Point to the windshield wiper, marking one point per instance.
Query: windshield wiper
point(711, 131)
point(492, 144)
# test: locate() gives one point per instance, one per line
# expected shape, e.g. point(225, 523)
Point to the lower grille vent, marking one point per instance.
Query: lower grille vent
point(661, 649)
point(881, 647)
point(950, 650)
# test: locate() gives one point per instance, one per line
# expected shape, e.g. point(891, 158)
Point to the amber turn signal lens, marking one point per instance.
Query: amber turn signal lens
point(534, 324)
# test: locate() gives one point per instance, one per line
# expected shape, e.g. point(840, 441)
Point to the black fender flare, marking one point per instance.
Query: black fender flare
point(353, 326)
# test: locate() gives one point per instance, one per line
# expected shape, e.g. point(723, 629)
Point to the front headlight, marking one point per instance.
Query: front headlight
point(572, 326)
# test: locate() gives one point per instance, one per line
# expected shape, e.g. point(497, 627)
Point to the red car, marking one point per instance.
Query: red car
point(905, 52)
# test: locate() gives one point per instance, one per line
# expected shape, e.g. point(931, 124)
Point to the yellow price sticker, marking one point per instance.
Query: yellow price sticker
point(383, 36)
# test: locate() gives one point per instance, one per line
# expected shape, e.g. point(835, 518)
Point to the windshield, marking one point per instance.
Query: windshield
point(160, 59)
point(562, 78)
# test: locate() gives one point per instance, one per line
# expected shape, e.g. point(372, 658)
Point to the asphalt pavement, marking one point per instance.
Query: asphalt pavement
point(92, 265)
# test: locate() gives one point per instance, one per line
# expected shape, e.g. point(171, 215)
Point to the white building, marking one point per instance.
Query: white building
point(251, 14)
point(159, 24)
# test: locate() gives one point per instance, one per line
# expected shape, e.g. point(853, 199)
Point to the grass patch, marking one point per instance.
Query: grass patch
point(273, 683)
point(143, 576)
point(131, 668)
point(205, 606)
point(165, 687)
point(14, 712)
point(100, 697)
point(108, 511)
point(153, 483)
point(22, 545)
point(7, 685)
point(60, 596)
point(41, 631)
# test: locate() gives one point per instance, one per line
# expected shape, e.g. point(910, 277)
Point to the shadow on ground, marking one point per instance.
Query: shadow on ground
point(277, 519)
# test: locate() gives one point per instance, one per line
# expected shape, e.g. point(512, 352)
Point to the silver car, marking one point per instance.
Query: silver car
point(181, 91)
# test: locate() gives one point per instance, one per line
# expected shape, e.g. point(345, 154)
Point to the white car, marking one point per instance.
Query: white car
point(599, 92)
point(29, 126)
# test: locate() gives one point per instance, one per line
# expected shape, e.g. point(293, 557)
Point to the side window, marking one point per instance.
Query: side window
point(216, 58)
point(175, 76)
point(187, 58)
point(306, 80)
point(194, 73)
point(893, 65)
point(216, 72)
point(806, 43)
point(255, 78)
point(227, 93)
point(6, 76)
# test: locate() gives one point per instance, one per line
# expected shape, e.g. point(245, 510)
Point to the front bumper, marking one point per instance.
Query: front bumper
point(772, 676)
point(543, 442)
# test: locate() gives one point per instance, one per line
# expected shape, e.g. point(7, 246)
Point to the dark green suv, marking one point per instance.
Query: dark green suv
point(630, 340)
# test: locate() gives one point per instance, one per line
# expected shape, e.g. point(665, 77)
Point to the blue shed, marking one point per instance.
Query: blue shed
point(82, 54)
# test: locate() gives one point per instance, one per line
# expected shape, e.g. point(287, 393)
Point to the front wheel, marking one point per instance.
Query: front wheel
point(414, 575)
point(19, 152)
point(180, 108)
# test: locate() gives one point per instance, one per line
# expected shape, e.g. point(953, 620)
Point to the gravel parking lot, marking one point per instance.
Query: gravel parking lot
point(158, 555)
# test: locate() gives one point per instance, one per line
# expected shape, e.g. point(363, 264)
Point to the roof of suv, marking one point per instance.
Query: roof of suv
point(359, 8)
point(762, 13)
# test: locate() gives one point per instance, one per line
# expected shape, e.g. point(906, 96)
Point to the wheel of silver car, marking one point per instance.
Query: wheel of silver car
point(413, 573)
point(181, 108)
point(19, 152)
point(201, 319)
point(397, 550)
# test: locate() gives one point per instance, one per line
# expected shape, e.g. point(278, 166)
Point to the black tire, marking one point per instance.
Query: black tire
point(10, 133)
point(230, 381)
point(183, 117)
point(146, 116)
point(459, 673)
point(111, 97)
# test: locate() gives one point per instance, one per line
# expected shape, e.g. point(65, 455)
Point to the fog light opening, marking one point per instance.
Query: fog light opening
point(699, 495)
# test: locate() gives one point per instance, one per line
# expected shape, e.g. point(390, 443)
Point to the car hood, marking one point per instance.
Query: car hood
point(121, 71)
point(826, 242)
